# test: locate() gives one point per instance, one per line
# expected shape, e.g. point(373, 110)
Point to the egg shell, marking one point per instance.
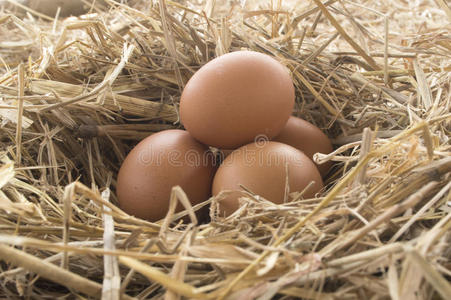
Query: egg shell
point(223, 153)
point(158, 163)
point(260, 167)
point(236, 97)
point(308, 138)
point(50, 7)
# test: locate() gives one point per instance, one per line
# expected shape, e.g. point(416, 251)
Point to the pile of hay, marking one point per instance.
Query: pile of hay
point(76, 94)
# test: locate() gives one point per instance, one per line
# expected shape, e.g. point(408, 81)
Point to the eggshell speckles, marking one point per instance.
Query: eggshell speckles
point(306, 137)
point(158, 163)
point(236, 97)
point(261, 169)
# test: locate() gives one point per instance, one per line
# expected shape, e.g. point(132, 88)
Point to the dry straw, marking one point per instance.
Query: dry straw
point(76, 94)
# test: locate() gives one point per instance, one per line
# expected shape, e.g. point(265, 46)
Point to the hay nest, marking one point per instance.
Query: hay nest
point(76, 94)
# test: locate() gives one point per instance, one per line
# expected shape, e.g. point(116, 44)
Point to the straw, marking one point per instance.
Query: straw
point(78, 93)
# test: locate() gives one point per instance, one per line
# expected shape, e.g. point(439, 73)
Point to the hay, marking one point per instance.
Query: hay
point(76, 94)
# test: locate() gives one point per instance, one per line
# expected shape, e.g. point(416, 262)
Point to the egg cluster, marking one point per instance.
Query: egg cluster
point(239, 103)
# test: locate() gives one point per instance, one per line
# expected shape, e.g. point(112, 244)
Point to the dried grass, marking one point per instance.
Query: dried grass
point(76, 95)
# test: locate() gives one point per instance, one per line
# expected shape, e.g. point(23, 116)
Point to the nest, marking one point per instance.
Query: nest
point(76, 94)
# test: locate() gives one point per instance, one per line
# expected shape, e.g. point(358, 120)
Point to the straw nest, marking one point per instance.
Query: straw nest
point(76, 94)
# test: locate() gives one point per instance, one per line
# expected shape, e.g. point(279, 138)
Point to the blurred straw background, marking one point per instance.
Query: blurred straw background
point(77, 93)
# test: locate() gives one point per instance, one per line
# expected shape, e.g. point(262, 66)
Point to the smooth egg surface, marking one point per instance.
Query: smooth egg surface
point(236, 97)
point(155, 165)
point(306, 137)
point(50, 7)
point(260, 168)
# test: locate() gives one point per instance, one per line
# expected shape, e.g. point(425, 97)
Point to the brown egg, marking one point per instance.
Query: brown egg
point(306, 137)
point(236, 97)
point(158, 163)
point(223, 153)
point(50, 7)
point(260, 167)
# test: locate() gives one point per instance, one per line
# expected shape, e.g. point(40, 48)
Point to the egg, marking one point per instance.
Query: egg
point(223, 153)
point(260, 167)
point(236, 97)
point(158, 163)
point(50, 7)
point(308, 138)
